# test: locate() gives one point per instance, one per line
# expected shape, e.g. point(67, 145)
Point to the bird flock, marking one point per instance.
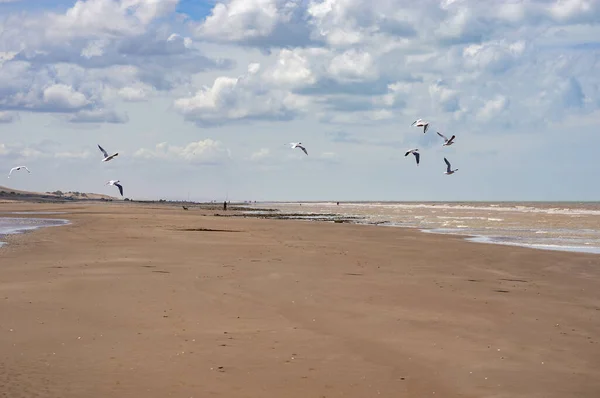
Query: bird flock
point(106, 158)
point(419, 123)
point(447, 142)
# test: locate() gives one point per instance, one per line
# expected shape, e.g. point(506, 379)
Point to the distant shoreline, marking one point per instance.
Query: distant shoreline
point(424, 201)
point(263, 210)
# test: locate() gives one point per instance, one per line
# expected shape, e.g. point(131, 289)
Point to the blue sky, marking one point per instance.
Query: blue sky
point(205, 96)
point(194, 9)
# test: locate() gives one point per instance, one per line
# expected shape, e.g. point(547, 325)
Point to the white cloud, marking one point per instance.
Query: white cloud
point(260, 154)
point(44, 150)
point(241, 19)
point(291, 70)
point(206, 151)
point(30, 153)
point(574, 10)
point(493, 108)
point(64, 97)
point(493, 57)
point(353, 65)
point(396, 95)
point(107, 18)
point(73, 155)
point(445, 98)
point(136, 92)
point(99, 116)
point(254, 22)
point(237, 99)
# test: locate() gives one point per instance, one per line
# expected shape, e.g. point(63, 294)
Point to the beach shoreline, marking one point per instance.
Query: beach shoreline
point(152, 300)
point(11, 224)
point(556, 226)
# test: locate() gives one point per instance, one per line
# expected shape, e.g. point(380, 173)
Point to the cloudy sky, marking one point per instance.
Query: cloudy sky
point(202, 97)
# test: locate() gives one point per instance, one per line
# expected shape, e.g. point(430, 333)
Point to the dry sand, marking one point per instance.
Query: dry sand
point(137, 301)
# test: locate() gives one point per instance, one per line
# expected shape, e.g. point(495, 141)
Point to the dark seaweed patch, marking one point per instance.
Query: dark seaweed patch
point(206, 230)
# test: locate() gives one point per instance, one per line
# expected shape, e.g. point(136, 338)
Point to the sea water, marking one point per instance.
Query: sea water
point(16, 225)
point(566, 226)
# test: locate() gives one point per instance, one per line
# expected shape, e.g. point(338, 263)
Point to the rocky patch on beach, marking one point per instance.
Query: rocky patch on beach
point(277, 215)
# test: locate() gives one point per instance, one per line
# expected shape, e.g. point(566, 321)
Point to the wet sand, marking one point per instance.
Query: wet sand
point(155, 301)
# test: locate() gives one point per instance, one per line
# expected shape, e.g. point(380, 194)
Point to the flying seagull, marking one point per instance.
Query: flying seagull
point(106, 157)
point(414, 152)
point(17, 169)
point(421, 123)
point(298, 145)
point(447, 142)
point(117, 184)
point(449, 168)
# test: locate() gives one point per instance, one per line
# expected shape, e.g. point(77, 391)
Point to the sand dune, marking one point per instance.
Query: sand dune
point(15, 194)
point(155, 301)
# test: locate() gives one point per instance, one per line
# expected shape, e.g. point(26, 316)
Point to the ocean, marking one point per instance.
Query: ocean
point(565, 226)
point(16, 225)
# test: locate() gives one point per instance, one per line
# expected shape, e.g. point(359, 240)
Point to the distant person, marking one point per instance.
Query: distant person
point(225, 205)
point(338, 203)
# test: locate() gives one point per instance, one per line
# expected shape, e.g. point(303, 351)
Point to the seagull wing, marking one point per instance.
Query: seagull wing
point(425, 128)
point(413, 123)
point(103, 151)
point(303, 149)
point(447, 163)
point(25, 167)
point(120, 188)
point(417, 156)
point(11, 170)
point(451, 139)
point(442, 135)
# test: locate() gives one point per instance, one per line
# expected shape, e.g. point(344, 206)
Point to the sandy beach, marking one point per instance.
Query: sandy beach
point(152, 301)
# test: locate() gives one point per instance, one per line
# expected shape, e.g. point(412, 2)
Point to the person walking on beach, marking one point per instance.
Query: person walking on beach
point(224, 205)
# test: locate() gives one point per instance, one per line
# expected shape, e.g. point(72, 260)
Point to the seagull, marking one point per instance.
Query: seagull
point(117, 184)
point(414, 152)
point(449, 169)
point(17, 169)
point(298, 145)
point(421, 123)
point(106, 157)
point(447, 142)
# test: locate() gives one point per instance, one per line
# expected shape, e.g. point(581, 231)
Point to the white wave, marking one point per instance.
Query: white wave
point(540, 246)
point(447, 206)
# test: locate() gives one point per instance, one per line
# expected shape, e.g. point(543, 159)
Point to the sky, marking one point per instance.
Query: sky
point(201, 98)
